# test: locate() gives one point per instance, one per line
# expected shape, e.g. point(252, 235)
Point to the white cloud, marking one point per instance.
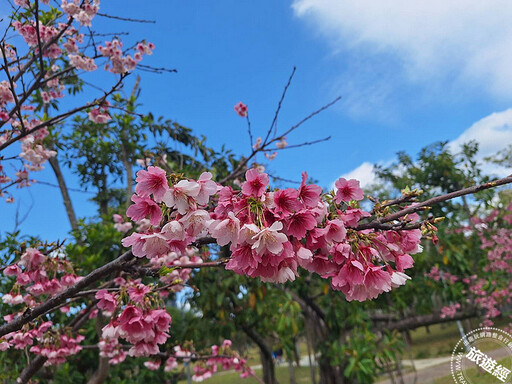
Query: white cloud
point(463, 41)
point(364, 173)
point(492, 133)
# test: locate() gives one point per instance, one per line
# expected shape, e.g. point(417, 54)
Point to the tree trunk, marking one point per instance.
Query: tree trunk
point(291, 370)
point(124, 153)
point(314, 319)
point(267, 361)
point(103, 369)
point(54, 162)
point(312, 362)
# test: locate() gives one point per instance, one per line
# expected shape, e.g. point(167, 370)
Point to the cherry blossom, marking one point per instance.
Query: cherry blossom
point(241, 109)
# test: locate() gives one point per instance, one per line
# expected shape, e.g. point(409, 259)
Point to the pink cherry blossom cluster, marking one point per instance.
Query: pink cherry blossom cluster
point(56, 348)
point(437, 275)
point(82, 62)
point(272, 233)
point(120, 63)
point(24, 337)
point(81, 10)
point(34, 152)
point(29, 33)
point(225, 357)
point(53, 345)
point(488, 291)
point(184, 201)
point(99, 115)
point(241, 109)
point(52, 89)
point(450, 310)
point(63, 50)
point(175, 279)
point(222, 356)
point(39, 275)
point(120, 224)
point(112, 349)
point(135, 317)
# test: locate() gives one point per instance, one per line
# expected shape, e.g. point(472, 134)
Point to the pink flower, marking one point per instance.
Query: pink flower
point(182, 196)
point(352, 216)
point(286, 201)
point(69, 280)
point(208, 188)
point(256, 183)
point(403, 261)
point(99, 116)
point(144, 207)
point(136, 241)
point(153, 181)
point(170, 364)
point(152, 365)
point(450, 311)
point(123, 227)
point(137, 293)
point(12, 299)
point(174, 230)
point(160, 319)
point(195, 222)
point(300, 223)
point(309, 194)
point(226, 231)
point(32, 258)
point(269, 239)
point(107, 301)
point(12, 270)
point(133, 326)
point(352, 273)
point(282, 143)
point(348, 190)
point(117, 218)
point(335, 231)
point(241, 109)
point(155, 244)
point(398, 279)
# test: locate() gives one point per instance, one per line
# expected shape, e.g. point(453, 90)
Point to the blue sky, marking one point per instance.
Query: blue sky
point(410, 73)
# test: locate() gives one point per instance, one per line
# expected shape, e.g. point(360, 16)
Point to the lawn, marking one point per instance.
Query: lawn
point(475, 375)
point(302, 376)
point(441, 340)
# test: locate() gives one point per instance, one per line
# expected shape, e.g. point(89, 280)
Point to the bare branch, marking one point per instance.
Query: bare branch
point(58, 299)
point(274, 121)
point(126, 18)
point(435, 200)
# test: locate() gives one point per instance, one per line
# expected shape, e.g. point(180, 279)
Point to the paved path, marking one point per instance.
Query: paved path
point(429, 370)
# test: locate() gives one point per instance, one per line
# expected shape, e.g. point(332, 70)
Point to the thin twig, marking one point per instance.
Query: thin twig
point(434, 200)
point(125, 18)
point(276, 115)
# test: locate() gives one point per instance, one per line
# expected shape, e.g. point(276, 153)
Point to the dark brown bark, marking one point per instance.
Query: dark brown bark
point(103, 369)
point(291, 370)
point(314, 319)
point(267, 361)
point(54, 162)
point(124, 153)
point(312, 368)
point(53, 302)
point(37, 363)
point(414, 322)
